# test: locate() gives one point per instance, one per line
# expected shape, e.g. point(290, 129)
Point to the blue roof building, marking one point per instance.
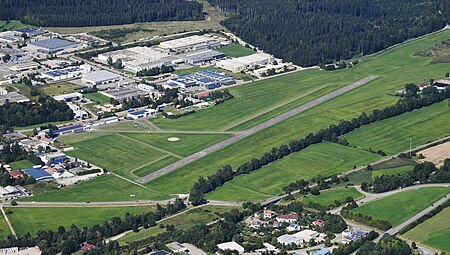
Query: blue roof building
point(38, 174)
point(30, 32)
point(322, 252)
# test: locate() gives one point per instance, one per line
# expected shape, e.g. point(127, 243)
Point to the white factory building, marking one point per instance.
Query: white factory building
point(100, 77)
point(139, 58)
point(236, 65)
point(190, 43)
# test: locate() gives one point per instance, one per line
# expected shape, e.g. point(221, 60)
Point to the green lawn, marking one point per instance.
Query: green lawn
point(320, 159)
point(100, 189)
point(138, 125)
point(403, 68)
point(12, 25)
point(4, 229)
point(187, 145)
point(21, 164)
point(434, 232)
point(236, 50)
point(328, 197)
point(392, 171)
point(97, 97)
point(155, 166)
point(399, 207)
point(392, 135)
point(193, 217)
point(115, 153)
point(61, 88)
point(32, 219)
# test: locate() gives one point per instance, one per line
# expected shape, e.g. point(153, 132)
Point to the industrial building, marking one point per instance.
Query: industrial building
point(69, 97)
point(69, 129)
point(10, 37)
point(52, 45)
point(20, 66)
point(122, 94)
point(231, 246)
point(141, 114)
point(236, 65)
point(38, 174)
point(201, 56)
point(195, 42)
point(13, 97)
point(187, 81)
point(100, 77)
point(30, 32)
point(62, 74)
point(216, 76)
point(139, 58)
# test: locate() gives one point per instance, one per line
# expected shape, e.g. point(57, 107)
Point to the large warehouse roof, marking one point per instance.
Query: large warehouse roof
point(185, 42)
point(54, 43)
point(101, 75)
point(38, 174)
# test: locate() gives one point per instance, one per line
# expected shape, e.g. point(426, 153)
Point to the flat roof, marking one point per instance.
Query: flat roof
point(236, 62)
point(102, 75)
point(186, 42)
point(54, 43)
point(124, 92)
point(230, 246)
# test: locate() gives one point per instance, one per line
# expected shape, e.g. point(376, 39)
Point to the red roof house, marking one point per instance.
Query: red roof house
point(16, 174)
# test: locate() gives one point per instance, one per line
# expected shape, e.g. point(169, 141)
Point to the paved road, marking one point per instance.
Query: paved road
point(5, 216)
point(243, 134)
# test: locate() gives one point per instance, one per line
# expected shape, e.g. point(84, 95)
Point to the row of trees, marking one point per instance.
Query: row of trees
point(315, 32)
point(46, 109)
point(98, 12)
point(13, 152)
point(387, 245)
point(155, 71)
point(425, 217)
point(406, 104)
point(425, 172)
point(366, 220)
point(68, 241)
point(353, 246)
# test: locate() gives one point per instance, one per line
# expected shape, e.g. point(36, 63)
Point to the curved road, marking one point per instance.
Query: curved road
point(243, 134)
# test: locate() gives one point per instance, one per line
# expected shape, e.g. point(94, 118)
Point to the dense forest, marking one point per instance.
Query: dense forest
point(80, 13)
point(311, 32)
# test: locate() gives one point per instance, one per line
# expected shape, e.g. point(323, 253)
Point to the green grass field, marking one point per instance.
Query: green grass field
point(320, 159)
point(399, 207)
point(236, 50)
point(32, 219)
point(403, 68)
point(328, 197)
point(392, 135)
point(97, 97)
point(6, 25)
point(392, 171)
point(193, 217)
point(56, 89)
point(138, 125)
point(21, 164)
point(100, 189)
point(4, 229)
point(434, 232)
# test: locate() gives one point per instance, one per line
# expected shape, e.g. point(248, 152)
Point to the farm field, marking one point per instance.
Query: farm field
point(434, 232)
point(32, 219)
point(392, 135)
point(236, 50)
point(403, 69)
point(21, 164)
point(4, 229)
point(392, 171)
point(399, 207)
point(105, 188)
point(328, 197)
point(193, 217)
point(97, 97)
point(187, 145)
point(12, 25)
point(320, 159)
point(61, 88)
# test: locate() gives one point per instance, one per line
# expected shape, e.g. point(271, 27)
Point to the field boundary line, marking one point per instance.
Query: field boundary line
point(13, 232)
point(135, 183)
point(269, 109)
point(153, 125)
point(147, 164)
point(151, 146)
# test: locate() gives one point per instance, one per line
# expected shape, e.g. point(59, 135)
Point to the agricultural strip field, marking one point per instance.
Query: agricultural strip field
point(403, 68)
point(105, 188)
point(392, 135)
point(236, 50)
point(392, 171)
point(32, 219)
point(56, 89)
point(21, 164)
point(319, 159)
point(4, 229)
point(434, 232)
point(189, 219)
point(399, 207)
point(97, 97)
point(328, 197)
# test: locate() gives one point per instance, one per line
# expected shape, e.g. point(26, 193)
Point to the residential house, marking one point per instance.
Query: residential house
point(287, 218)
